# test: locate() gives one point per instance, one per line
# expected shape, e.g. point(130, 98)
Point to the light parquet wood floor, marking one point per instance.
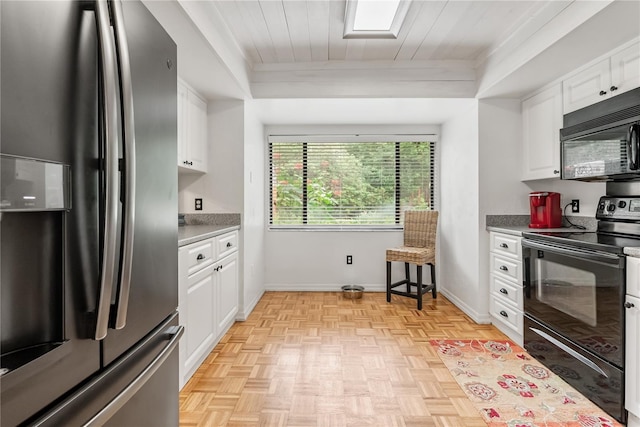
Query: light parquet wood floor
point(318, 359)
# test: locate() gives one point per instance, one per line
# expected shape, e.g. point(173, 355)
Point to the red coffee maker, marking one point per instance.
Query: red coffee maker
point(545, 210)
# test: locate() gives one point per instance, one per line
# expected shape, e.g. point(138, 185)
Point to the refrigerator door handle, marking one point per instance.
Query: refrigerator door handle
point(175, 332)
point(122, 51)
point(109, 261)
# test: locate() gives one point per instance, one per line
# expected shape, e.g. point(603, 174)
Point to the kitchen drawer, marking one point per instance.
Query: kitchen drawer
point(227, 243)
point(510, 316)
point(505, 244)
point(507, 267)
point(199, 256)
point(506, 291)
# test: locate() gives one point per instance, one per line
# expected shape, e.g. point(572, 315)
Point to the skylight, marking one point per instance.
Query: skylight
point(374, 18)
point(374, 15)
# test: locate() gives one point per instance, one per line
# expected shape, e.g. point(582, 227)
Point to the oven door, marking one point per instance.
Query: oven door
point(577, 293)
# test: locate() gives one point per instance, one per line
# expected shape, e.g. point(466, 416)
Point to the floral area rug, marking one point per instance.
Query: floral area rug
point(512, 389)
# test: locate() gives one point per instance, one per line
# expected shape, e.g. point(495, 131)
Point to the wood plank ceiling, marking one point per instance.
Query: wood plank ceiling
point(297, 31)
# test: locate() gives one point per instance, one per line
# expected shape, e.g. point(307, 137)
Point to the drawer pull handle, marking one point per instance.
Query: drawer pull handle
point(504, 291)
point(629, 305)
point(504, 268)
point(200, 257)
point(603, 93)
point(229, 244)
point(613, 88)
point(504, 314)
point(504, 246)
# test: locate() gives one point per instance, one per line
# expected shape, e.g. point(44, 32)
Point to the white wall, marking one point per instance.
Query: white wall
point(500, 188)
point(253, 223)
point(458, 273)
point(221, 188)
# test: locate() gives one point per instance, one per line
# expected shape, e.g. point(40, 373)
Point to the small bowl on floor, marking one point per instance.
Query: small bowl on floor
point(352, 291)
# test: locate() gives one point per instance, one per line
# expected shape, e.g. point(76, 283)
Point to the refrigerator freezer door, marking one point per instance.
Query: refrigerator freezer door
point(50, 260)
point(154, 276)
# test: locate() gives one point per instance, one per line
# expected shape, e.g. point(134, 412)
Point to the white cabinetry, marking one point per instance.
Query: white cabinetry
point(541, 123)
point(632, 342)
point(505, 301)
point(609, 77)
point(207, 297)
point(192, 130)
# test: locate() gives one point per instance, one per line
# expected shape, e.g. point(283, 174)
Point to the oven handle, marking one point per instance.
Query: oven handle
point(611, 259)
point(573, 353)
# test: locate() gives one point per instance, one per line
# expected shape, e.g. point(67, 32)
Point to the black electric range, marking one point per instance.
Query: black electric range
point(574, 286)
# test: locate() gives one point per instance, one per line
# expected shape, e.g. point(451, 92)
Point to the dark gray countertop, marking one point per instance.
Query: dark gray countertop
point(517, 230)
point(188, 234)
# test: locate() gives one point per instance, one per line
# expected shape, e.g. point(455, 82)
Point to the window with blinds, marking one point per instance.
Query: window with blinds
point(326, 182)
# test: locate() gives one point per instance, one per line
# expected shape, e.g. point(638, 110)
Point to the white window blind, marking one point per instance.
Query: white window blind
point(353, 181)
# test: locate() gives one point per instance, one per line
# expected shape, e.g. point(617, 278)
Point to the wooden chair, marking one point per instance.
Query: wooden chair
point(419, 249)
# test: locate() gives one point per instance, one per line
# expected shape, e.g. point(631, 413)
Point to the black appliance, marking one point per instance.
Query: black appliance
point(88, 203)
point(574, 288)
point(601, 142)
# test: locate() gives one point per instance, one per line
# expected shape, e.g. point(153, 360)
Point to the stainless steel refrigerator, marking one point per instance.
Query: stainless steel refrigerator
point(88, 209)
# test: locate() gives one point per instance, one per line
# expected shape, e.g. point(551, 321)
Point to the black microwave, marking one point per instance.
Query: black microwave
point(601, 142)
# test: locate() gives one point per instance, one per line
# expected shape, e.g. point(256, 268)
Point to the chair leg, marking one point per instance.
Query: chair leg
point(406, 275)
point(388, 281)
point(433, 280)
point(419, 283)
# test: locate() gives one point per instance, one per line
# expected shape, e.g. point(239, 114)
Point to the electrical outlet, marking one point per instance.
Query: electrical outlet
point(198, 204)
point(349, 259)
point(575, 205)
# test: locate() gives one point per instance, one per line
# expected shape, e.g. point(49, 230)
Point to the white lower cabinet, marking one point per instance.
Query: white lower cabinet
point(505, 300)
point(207, 297)
point(632, 343)
point(227, 292)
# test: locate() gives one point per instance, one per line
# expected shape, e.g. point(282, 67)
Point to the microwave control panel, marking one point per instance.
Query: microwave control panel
point(621, 208)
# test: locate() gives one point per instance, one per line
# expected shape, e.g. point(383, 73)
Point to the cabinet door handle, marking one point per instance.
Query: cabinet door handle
point(504, 268)
point(629, 304)
point(504, 291)
point(504, 314)
point(613, 88)
point(556, 172)
point(602, 93)
point(200, 257)
point(504, 246)
point(229, 244)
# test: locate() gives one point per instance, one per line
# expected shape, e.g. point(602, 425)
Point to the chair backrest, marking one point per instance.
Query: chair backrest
point(420, 228)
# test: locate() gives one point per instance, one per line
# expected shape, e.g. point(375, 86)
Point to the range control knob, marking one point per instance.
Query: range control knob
point(611, 207)
point(601, 206)
point(622, 204)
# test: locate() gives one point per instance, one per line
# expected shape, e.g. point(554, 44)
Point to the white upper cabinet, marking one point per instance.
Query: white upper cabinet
point(541, 123)
point(625, 69)
point(192, 130)
point(612, 76)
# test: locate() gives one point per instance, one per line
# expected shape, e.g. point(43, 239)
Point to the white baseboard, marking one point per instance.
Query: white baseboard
point(320, 287)
point(484, 318)
point(242, 315)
